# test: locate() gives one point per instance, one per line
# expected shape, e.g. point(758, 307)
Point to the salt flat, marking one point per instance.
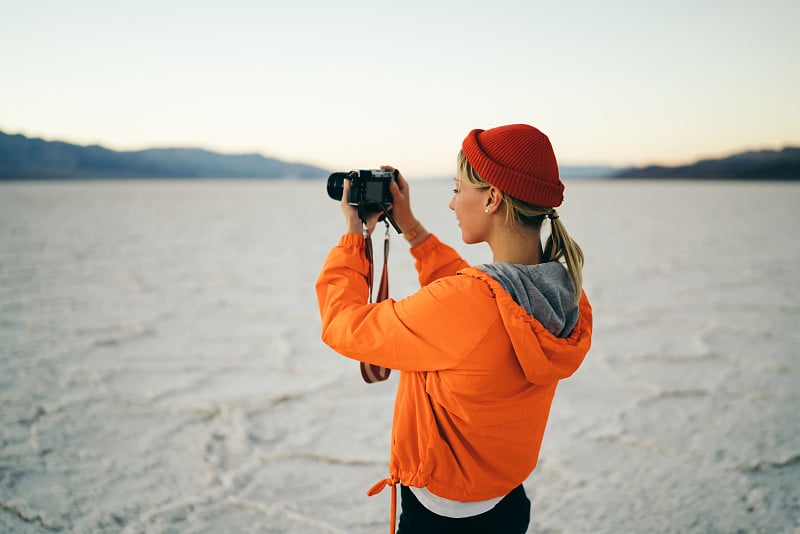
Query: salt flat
point(161, 369)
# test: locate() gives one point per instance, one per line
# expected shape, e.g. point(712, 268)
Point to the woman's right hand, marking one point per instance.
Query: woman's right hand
point(401, 201)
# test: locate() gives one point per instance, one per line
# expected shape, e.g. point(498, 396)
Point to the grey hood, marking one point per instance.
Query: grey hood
point(545, 291)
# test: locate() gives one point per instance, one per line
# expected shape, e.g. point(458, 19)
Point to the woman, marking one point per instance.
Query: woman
point(479, 349)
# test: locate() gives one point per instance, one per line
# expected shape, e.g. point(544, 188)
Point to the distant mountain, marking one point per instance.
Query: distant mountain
point(755, 165)
point(23, 158)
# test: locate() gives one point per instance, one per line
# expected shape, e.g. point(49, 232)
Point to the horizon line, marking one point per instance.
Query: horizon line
point(256, 152)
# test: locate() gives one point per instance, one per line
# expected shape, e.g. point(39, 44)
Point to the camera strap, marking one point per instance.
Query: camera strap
point(369, 372)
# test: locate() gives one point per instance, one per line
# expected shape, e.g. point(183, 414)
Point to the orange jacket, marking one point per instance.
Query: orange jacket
point(477, 373)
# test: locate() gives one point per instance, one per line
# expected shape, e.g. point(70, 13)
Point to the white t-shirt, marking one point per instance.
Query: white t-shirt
point(455, 509)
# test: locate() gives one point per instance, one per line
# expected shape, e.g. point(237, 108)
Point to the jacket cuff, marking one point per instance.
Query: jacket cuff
point(426, 247)
point(352, 240)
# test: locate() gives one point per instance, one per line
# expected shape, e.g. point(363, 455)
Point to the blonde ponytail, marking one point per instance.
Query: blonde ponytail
point(560, 245)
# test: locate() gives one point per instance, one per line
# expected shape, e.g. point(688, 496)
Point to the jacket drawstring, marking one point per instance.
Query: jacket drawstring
point(378, 487)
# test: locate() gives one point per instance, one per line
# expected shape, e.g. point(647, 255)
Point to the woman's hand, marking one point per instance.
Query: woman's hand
point(353, 223)
point(401, 202)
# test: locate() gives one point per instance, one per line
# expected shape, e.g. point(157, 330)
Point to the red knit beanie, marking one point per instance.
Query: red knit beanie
point(518, 160)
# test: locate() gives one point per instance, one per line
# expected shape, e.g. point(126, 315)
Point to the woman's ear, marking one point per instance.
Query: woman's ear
point(493, 199)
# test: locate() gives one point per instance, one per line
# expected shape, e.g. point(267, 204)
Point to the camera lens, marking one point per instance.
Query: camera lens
point(336, 185)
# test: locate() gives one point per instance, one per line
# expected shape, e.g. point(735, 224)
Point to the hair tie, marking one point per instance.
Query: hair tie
point(552, 215)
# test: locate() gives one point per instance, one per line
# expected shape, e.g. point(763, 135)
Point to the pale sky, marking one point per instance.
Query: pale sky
point(356, 84)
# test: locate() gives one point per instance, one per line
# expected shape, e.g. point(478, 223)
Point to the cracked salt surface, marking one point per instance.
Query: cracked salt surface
point(161, 369)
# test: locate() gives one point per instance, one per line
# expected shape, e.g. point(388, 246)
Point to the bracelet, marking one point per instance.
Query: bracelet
point(411, 234)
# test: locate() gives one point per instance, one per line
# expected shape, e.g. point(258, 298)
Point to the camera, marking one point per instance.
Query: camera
point(368, 188)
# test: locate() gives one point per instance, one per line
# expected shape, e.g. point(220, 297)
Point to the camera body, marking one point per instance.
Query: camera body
point(368, 188)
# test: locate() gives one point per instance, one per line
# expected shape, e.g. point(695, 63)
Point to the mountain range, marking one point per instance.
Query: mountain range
point(781, 164)
point(24, 158)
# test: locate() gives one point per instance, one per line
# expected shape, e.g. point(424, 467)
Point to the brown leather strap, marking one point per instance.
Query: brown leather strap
point(370, 263)
point(369, 372)
point(383, 287)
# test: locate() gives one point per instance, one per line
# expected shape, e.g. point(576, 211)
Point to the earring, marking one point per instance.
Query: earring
point(486, 211)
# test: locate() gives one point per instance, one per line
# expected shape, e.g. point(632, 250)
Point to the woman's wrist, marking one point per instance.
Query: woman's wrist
point(410, 229)
point(419, 239)
point(416, 234)
point(406, 224)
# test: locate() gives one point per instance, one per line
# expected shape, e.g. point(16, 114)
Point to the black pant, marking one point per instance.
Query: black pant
point(510, 516)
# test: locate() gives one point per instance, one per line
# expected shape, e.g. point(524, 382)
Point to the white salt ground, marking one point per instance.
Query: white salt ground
point(161, 369)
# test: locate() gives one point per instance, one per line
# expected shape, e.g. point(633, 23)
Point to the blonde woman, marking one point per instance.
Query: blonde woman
point(480, 349)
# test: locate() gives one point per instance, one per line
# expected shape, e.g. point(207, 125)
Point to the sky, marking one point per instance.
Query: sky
point(356, 84)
